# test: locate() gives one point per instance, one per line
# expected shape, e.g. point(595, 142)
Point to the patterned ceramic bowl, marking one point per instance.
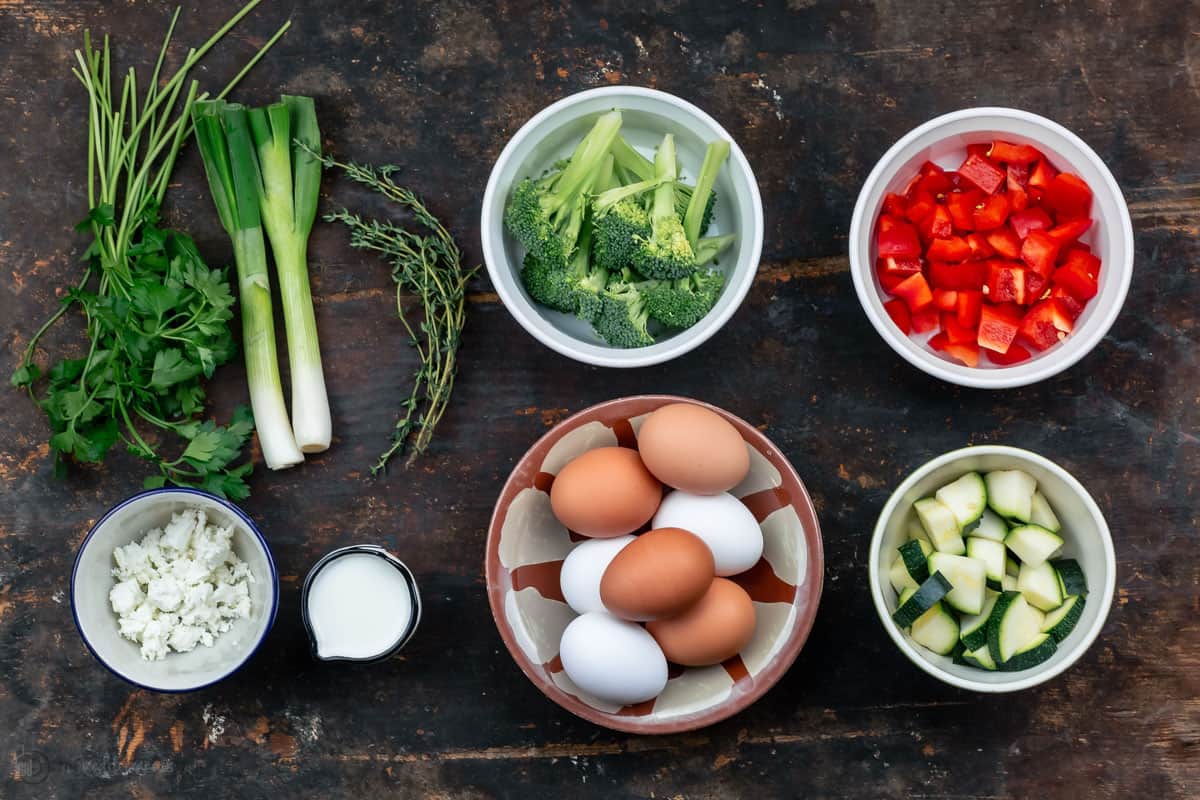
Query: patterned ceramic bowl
point(526, 546)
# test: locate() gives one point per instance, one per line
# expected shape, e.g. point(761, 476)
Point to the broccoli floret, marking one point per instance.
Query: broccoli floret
point(623, 317)
point(575, 290)
point(548, 285)
point(632, 165)
point(545, 214)
point(684, 302)
point(620, 219)
point(665, 253)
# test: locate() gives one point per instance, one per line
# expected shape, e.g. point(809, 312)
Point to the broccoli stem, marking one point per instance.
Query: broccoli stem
point(607, 199)
point(631, 160)
point(606, 178)
point(714, 156)
point(665, 171)
point(585, 161)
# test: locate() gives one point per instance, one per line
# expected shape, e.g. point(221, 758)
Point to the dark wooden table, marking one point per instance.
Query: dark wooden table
point(814, 92)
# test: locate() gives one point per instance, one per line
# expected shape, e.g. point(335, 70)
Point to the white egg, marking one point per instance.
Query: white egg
point(583, 569)
point(612, 659)
point(722, 521)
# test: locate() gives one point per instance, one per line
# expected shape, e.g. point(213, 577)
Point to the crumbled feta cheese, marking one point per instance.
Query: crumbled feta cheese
point(180, 586)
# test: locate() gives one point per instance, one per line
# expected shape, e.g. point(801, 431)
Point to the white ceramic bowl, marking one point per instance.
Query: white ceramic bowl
point(648, 114)
point(1086, 536)
point(944, 141)
point(92, 580)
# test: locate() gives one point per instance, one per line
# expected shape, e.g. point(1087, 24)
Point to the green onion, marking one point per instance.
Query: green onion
point(223, 136)
point(291, 179)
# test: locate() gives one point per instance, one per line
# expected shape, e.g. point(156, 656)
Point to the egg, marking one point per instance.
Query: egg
point(717, 627)
point(659, 574)
point(583, 568)
point(721, 521)
point(605, 492)
point(694, 449)
point(614, 660)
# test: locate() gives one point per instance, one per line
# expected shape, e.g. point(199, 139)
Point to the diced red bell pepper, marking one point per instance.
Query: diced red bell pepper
point(968, 275)
point(1005, 242)
point(1018, 199)
point(897, 239)
point(979, 149)
point(983, 173)
point(1069, 196)
point(899, 314)
point(1039, 251)
point(951, 248)
point(968, 306)
point(1035, 286)
point(920, 206)
point(997, 329)
point(1015, 355)
point(914, 291)
point(1013, 153)
point(1046, 324)
point(1071, 230)
point(980, 249)
point(966, 352)
point(888, 280)
point(1075, 279)
point(1073, 247)
point(937, 225)
point(945, 299)
point(894, 205)
point(934, 179)
point(1030, 220)
point(1006, 282)
point(925, 320)
point(991, 214)
point(954, 332)
point(1017, 177)
point(1073, 306)
point(939, 341)
point(1042, 174)
point(1084, 258)
point(962, 208)
point(900, 266)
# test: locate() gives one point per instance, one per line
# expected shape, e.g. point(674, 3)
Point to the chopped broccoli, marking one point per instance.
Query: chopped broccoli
point(695, 220)
point(709, 247)
point(545, 214)
point(575, 290)
point(683, 302)
point(622, 319)
point(665, 253)
point(620, 219)
point(634, 165)
point(548, 285)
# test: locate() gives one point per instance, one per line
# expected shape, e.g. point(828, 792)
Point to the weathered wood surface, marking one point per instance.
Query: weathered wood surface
point(814, 92)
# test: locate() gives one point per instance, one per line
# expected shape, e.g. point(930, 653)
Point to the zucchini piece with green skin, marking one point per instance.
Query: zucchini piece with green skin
point(980, 657)
point(966, 576)
point(990, 526)
point(936, 630)
point(1070, 576)
point(1040, 586)
point(900, 578)
point(916, 532)
point(1038, 651)
point(916, 559)
point(1010, 493)
point(1008, 583)
point(1014, 624)
point(940, 524)
point(974, 626)
point(1012, 566)
point(1033, 544)
point(1061, 621)
point(991, 553)
point(915, 603)
point(966, 498)
point(1041, 513)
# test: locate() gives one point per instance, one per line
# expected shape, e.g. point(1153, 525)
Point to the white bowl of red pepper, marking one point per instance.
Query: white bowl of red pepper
point(991, 248)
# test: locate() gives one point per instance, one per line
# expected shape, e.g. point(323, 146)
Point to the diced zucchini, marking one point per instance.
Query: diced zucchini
point(1070, 576)
point(967, 579)
point(1040, 513)
point(1014, 624)
point(965, 497)
point(1008, 583)
point(915, 555)
point(980, 657)
point(1037, 651)
point(1040, 586)
point(936, 629)
point(990, 527)
point(899, 577)
point(991, 553)
point(941, 525)
point(916, 602)
point(1012, 566)
point(974, 626)
point(1010, 493)
point(916, 532)
point(1033, 544)
point(1061, 621)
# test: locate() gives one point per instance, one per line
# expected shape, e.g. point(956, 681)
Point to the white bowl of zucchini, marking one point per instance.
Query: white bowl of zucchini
point(992, 568)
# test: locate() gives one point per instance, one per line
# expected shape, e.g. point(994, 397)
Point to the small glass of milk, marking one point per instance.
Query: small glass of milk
point(359, 603)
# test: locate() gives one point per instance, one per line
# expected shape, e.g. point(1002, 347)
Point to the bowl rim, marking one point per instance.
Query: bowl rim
point(600, 355)
point(909, 649)
point(1000, 377)
point(778, 666)
point(145, 495)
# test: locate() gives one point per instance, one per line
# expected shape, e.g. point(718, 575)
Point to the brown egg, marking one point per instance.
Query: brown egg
point(659, 574)
point(694, 449)
point(605, 492)
point(717, 627)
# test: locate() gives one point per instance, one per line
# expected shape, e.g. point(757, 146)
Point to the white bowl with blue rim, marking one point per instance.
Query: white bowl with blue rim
point(92, 580)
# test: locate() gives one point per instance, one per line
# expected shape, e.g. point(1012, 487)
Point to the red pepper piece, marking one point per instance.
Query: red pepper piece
point(979, 149)
point(937, 225)
point(1030, 220)
point(1068, 196)
point(1070, 231)
point(1005, 242)
point(894, 205)
point(921, 205)
point(1015, 355)
point(1040, 251)
point(897, 239)
point(934, 179)
point(1018, 176)
point(968, 275)
point(888, 280)
point(1013, 153)
point(914, 291)
point(1005, 282)
point(1074, 278)
point(1046, 324)
point(991, 214)
point(956, 333)
point(983, 173)
point(925, 320)
point(997, 329)
point(962, 208)
point(1035, 286)
point(945, 299)
point(980, 249)
point(969, 303)
point(952, 248)
point(939, 341)
point(899, 314)
point(1018, 199)
point(966, 352)
point(899, 266)
point(1072, 306)
point(1074, 247)
point(1042, 174)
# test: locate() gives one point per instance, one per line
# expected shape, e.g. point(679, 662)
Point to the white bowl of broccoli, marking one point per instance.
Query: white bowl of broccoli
point(622, 226)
